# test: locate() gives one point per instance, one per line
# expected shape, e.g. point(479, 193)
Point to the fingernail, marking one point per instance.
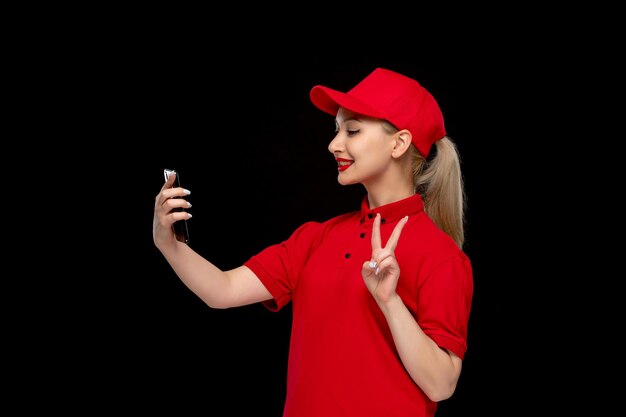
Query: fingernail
point(372, 264)
point(187, 191)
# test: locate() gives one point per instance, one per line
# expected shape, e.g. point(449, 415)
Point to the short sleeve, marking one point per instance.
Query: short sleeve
point(444, 303)
point(279, 266)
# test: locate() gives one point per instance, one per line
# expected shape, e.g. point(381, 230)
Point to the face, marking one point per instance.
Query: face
point(361, 147)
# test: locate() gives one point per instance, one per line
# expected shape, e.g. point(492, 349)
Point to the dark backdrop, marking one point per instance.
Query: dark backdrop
point(252, 149)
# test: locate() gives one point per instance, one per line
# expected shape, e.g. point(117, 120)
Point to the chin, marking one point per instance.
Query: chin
point(343, 181)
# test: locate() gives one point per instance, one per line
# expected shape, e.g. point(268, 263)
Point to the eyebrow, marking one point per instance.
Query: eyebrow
point(357, 119)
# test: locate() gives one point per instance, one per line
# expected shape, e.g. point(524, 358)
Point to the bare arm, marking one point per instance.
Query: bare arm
point(217, 288)
point(436, 371)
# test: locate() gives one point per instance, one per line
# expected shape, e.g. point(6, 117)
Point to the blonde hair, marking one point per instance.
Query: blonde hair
point(439, 181)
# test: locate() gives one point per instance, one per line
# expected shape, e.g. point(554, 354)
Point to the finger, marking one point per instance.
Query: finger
point(371, 266)
point(386, 261)
point(176, 203)
point(163, 193)
point(169, 182)
point(180, 215)
point(376, 241)
point(172, 193)
point(395, 235)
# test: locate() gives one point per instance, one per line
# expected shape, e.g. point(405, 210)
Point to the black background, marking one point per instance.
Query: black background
point(99, 101)
point(248, 143)
point(252, 149)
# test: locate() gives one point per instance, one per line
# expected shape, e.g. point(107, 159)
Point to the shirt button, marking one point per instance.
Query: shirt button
point(347, 255)
point(382, 220)
point(362, 235)
point(370, 215)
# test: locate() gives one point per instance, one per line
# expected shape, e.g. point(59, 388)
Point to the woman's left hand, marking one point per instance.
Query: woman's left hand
point(382, 272)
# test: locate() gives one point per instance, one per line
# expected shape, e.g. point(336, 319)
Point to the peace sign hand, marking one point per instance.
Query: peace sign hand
point(382, 272)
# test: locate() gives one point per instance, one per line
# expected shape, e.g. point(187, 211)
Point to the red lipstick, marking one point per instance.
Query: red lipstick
point(343, 164)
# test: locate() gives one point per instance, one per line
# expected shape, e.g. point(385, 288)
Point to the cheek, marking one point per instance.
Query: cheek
point(372, 163)
point(372, 151)
point(362, 148)
point(379, 162)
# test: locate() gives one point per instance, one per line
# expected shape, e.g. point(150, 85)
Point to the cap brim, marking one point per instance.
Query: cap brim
point(329, 101)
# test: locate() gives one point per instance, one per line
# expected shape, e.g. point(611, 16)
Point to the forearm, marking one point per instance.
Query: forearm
point(431, 367)
point(202, 277)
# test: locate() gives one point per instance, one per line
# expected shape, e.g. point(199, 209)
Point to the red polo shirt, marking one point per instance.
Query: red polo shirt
point(342, 358)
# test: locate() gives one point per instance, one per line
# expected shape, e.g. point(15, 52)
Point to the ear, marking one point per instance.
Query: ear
point(401, 143)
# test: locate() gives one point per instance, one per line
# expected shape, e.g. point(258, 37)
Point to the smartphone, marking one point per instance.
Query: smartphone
point(180, 227)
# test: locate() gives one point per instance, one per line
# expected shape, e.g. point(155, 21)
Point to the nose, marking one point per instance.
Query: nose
point(335, 145)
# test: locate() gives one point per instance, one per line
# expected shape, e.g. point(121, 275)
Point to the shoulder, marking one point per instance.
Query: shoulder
point(423, 236)
point(318, 229)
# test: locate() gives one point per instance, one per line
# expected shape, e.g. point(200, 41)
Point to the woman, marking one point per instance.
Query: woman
point(381, 296)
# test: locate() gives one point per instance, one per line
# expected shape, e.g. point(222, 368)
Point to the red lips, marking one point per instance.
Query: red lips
point(343, 164)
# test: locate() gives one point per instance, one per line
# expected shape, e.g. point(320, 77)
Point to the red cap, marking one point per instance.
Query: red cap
point(385, 94)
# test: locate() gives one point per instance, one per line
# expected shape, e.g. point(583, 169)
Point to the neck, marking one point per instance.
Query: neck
point(377, 198)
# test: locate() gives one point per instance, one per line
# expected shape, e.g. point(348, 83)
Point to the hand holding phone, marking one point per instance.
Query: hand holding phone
point(180, 226)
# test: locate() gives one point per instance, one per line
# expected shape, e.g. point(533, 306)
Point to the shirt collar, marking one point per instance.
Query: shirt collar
point(392, 212)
